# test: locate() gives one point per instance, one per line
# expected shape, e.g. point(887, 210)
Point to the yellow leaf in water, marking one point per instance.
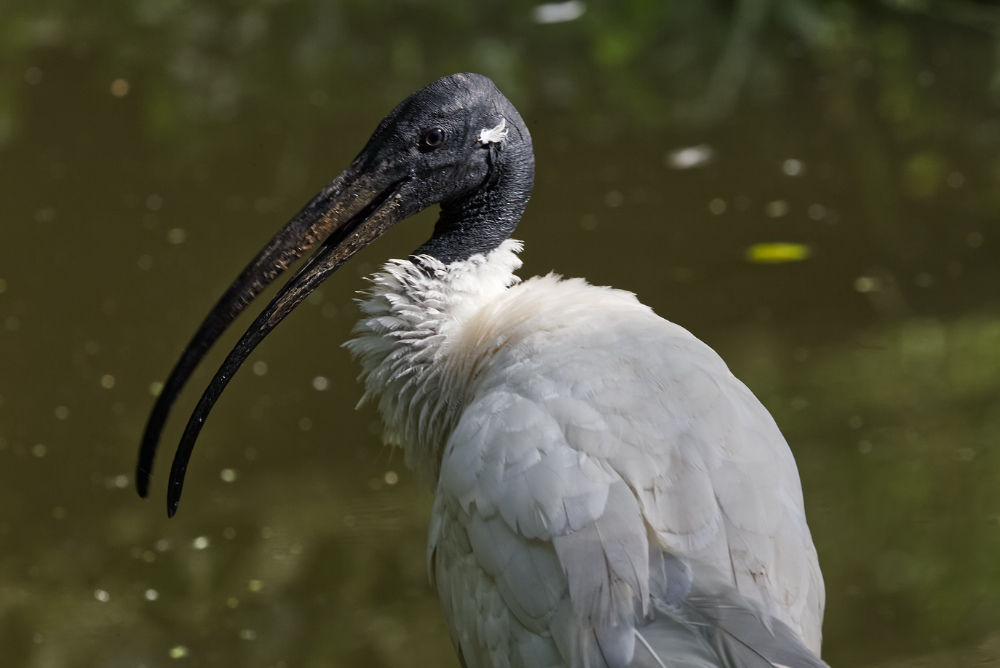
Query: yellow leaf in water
point(770, 253)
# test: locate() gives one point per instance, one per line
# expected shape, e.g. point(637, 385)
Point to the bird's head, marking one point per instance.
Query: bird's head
point(457, 142)
point(443, 141)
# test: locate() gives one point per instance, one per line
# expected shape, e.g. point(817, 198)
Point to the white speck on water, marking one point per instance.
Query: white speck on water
point(391, 477)
point(793, 167)
point(867, 284)
point(248, 634)
point(260, 367)
point(228, 475)
point(589, 222)
point(255, 585)
point(155, 388)
point(120, 481)
point(119, 87)
point(232, 602)
point(614, 199)
point(152, 594)
point(178, 652)
point(154, 202)
point(558, 12)
point(816, 211)
point(717, 206)
point(39, 450)
point(864, 447)
point(162, 545)
point(320, 383)
point(689, 157)
point(200, 543)
point(61, 412)
point(107, 381)
point(229, 533)
point(102, 595)
point(176, 235)
point(776, 209)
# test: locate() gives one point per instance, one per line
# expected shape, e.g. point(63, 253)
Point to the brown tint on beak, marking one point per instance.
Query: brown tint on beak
point(350, 212)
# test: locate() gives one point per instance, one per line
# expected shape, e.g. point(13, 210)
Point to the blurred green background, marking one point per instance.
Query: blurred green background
point(149, 148)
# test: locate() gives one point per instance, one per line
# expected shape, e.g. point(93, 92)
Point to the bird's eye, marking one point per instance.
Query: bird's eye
point(433, 138)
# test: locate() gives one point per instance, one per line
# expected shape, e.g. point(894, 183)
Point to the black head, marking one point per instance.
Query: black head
point(457, 142)
point(461, 143)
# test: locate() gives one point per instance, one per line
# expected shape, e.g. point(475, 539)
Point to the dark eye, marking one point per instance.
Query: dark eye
point(433, 138)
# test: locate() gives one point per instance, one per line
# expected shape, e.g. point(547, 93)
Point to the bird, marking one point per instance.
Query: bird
point(607, 492)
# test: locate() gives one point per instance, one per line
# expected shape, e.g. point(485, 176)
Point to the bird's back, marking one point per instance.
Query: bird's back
point(605, 472)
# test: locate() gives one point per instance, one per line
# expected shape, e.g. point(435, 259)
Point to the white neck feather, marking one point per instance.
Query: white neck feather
point(407, 344)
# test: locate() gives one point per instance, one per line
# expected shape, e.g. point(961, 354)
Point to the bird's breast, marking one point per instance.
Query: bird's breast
point(433, 333)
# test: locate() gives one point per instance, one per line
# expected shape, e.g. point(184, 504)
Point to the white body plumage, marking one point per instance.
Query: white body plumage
point(596, 468)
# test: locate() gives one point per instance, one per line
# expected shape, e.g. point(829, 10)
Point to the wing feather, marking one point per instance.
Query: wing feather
point(576, 463)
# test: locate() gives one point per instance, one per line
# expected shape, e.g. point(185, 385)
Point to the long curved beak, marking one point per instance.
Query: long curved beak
point(351, 212)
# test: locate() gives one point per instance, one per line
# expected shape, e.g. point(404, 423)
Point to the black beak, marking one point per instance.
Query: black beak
point(351, 212)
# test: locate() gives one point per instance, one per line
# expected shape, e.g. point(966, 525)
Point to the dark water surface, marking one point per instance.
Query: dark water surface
point(147, 150)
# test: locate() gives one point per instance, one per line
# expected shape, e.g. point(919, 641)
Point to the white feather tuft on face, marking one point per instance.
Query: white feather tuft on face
point(493, 135)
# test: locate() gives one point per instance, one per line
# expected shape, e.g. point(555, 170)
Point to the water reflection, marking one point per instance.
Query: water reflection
point(149, 148)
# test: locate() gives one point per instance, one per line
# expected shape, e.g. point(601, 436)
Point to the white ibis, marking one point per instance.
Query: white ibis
point(607, 492)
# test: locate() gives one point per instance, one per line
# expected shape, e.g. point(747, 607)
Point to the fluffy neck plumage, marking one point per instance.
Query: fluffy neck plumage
point(408, 345)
